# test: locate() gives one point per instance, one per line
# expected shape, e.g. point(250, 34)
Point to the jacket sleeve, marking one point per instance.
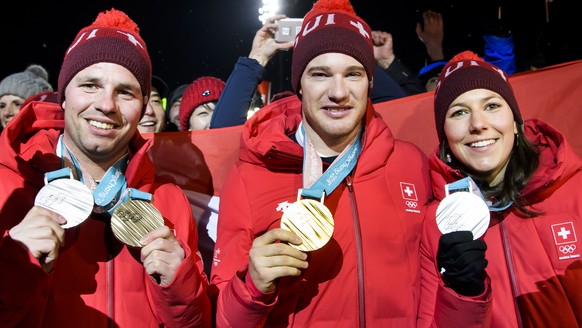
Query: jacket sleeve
point(404, 77)
point(233, 104)
point(385, 87)
point(22, 281)
point(440, 306)
point(184, 302)
point(234, 304)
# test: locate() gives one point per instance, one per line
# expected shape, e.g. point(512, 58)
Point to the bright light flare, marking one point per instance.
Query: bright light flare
point(269, 8)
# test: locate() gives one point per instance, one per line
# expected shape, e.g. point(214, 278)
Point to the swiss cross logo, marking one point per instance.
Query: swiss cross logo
point(564, 233)
point(408, 191)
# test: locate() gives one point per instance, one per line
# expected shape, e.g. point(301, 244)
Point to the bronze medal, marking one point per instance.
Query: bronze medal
point(67, 197)
point(133, 219)
point(311, 221)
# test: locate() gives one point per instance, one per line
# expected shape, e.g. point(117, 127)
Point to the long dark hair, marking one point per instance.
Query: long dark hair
point(523, 162)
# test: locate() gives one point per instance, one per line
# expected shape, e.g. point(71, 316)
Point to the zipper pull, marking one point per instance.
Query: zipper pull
point(349, 183)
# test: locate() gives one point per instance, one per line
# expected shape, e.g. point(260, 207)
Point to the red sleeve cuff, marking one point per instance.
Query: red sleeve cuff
point(256, 294)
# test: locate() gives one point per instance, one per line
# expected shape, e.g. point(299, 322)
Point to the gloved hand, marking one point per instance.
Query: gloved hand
point(461, 261)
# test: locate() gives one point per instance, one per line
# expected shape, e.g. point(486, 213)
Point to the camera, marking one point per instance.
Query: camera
point(288, 29)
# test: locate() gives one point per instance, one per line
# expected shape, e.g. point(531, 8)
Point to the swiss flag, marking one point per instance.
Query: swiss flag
point(408, 191)
point(564, 233)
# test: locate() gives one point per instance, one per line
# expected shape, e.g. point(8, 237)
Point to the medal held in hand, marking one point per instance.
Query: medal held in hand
point(311, 221)
point(67, 197)
point(133, 219)
point(463, 211)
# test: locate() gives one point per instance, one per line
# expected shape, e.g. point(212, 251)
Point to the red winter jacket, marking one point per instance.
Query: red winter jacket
point(535, 264)
point(97, 281)
point(368, 273)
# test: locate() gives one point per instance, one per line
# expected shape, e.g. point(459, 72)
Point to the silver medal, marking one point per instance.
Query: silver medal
point(69, 198)
point(463, 211)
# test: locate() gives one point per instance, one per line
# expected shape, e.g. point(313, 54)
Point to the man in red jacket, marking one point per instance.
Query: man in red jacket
point(101, 244)
point(320, 220)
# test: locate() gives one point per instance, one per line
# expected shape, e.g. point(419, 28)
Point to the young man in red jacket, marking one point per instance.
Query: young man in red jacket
point(88, 237)
point(320, 220)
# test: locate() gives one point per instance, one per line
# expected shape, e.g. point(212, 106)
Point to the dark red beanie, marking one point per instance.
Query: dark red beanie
point(331, 26)
point(202, 90)
point(113, 38)
point(465, 72)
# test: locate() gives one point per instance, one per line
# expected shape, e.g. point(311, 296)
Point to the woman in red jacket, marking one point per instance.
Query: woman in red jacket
point(530, 179)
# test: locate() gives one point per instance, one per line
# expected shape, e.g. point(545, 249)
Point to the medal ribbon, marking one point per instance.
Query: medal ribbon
point(316, 182)
point(467, 184)
point(112, 189)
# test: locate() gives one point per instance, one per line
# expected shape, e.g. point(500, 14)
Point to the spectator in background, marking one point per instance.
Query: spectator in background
point(17, 87)
point(173, 108)
point(248, 72)
point(154, 117)
point(198, 103)
point(387, 61)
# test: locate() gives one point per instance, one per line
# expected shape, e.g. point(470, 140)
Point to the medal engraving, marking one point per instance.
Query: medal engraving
point(67, 197)
point(133, 219)
point(463, 211)
point(311, 221)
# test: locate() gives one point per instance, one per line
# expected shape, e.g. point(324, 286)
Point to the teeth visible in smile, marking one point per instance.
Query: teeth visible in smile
point(101, 125)
point(336, 109)
point(147, 124)
point(482, 143)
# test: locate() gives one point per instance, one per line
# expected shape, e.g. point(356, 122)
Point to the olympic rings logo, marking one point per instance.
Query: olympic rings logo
point(411, 204)
point(567, 249)
point(52, 199)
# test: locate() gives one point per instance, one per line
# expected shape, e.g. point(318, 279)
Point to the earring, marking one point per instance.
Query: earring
point(517, 139)
point(449, 158)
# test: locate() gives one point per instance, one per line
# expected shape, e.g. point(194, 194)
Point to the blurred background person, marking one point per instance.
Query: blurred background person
point(154, 118)
point(17, 87)
point(198, 103)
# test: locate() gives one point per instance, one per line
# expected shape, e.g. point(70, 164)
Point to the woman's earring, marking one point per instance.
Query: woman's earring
point(449, 158)
point(517, 139)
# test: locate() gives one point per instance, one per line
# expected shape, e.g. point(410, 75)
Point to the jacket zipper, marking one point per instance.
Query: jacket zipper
point(359, 253)
point(110, 295)
point(510, 270)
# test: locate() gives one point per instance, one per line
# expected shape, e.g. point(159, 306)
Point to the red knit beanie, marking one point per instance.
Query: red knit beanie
point(465, 72)
point(113, 38)
point(331, 26)
point(202, 90)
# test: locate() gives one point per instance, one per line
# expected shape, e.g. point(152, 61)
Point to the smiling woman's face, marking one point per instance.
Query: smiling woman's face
point(480, 131)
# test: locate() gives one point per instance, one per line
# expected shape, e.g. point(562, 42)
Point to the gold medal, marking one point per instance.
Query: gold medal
point(67, 197)
point(133, 219)
point(311, 221)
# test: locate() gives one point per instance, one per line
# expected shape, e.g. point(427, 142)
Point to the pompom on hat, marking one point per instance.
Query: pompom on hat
point(202, 90)
point(113, 38)
point(32, 81)
point(332, 26)
point(464, 72)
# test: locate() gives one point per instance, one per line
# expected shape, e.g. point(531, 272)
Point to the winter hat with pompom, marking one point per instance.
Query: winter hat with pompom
point(465, 72)
point(113, 38)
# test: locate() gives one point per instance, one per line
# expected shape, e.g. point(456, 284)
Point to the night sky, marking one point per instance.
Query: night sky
point(188, 39)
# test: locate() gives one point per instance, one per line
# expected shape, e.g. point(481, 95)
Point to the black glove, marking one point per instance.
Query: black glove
point(462, 262)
